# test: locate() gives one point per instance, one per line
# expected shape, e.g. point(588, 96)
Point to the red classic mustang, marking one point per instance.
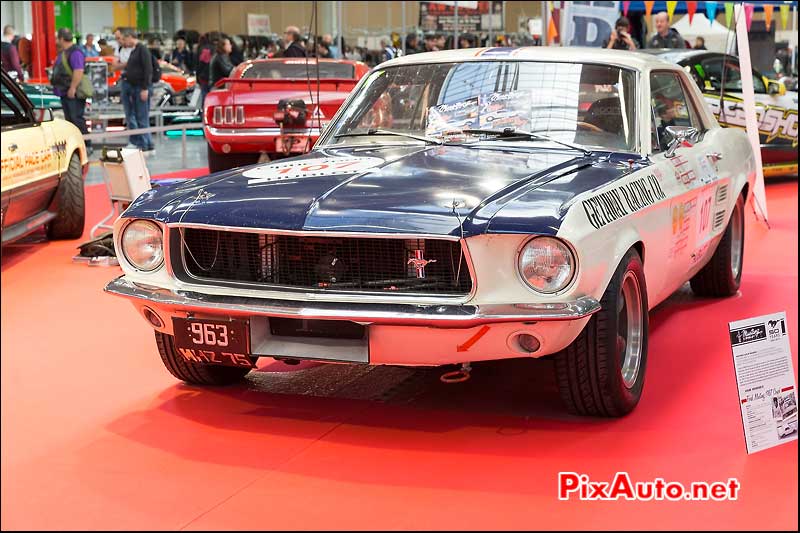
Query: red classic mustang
point(271, 107)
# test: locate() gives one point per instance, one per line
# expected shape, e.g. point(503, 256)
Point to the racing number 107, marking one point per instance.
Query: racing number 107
point(209, 334)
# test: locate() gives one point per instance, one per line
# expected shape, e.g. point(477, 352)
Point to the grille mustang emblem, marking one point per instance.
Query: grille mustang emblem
point(419, 262)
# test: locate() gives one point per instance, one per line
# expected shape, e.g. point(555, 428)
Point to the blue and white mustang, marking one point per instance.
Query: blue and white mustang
point(402, 240)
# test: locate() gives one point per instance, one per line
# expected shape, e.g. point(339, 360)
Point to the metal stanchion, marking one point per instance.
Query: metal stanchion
point(183, 147)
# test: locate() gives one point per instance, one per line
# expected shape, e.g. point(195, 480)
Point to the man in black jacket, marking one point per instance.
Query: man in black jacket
point(294, 48)
point(139, 75)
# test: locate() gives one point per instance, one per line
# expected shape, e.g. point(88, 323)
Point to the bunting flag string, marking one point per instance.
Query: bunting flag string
point(671, 5)
point(691, 8)
point(728, 13)
point(711, 11)
point(648, 7)
point(768, 15)
point(748, 15)
point(625, 7)
point(784, 16)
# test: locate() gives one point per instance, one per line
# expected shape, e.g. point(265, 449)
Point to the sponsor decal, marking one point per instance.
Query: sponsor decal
point(757, 332)
point(773, 122)
point(699, 254)
point(309, 168)
point(452, 117)
point(623, 200)
point(682, 213)
point(28, 164)
point(776, 329)
point(707, 172)
point(684, 172)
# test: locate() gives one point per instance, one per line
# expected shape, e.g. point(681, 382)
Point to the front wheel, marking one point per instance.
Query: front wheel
point(723, 274)
point(195, 373)
point(602, 372)
point(71, 215)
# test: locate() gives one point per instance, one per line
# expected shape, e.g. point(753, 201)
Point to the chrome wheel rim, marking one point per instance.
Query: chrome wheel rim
point(630, 329)
point(737, 238)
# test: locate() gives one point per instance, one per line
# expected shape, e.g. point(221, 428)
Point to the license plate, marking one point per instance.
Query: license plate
point(220, 342)
point(295, 144)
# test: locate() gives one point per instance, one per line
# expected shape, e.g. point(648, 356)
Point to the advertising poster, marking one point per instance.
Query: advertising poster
point(473, 17)
point(452, 117)
point(258, 24)
point(765, 377)
point(98, 75)
point(588, 23)
point(505, 110)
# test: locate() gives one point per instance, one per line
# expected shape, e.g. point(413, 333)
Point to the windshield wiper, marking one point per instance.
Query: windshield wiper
point(375, 131)
point(508, 133)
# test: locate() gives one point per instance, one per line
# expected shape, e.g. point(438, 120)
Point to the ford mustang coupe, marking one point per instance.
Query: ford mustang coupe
point(419, 231)
point(273, 108)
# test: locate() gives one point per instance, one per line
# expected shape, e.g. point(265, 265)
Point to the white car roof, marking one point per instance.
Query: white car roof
point(572, 54)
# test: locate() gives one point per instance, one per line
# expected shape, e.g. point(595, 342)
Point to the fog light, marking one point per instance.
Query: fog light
point(153, 318)
point(528, 343)
point(226, 148)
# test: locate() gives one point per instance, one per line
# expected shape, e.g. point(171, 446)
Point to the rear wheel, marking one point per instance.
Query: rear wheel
point(602, 372)
point(195, 373)
point(218, 162)
point(70, 203)
point(723, 273)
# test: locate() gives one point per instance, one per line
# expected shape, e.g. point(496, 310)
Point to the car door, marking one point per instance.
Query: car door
point(689, 175)
point(29, 161)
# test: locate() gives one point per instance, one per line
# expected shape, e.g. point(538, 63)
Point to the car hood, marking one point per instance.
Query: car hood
point(441, 190)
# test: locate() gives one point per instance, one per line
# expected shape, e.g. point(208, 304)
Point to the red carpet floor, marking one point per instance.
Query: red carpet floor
point(96, 434)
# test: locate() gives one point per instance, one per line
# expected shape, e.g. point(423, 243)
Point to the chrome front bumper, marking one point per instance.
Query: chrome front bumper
point(447, 316)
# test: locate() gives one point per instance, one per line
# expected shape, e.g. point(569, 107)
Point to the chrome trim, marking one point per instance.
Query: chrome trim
point(321, 233)
point(294, 290)
point(248, 132)
point(399, 314)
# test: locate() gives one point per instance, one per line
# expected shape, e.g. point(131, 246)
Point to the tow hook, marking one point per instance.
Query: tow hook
point(457, 376)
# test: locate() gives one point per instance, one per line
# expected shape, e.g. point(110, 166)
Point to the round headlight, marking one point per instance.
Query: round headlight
point(142, 244)
point(546, 264)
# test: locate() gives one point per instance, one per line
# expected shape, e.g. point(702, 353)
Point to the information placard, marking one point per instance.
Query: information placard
point(762, 360)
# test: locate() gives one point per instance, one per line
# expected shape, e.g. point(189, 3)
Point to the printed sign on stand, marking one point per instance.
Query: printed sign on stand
point(762, 360)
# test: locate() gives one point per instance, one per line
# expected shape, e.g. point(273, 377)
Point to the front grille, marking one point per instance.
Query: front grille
point(349, 264)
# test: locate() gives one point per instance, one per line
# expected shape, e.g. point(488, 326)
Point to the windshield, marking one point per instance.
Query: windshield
point(585, 104)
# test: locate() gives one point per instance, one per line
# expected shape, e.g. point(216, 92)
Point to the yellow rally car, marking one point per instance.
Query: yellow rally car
point(44, 163)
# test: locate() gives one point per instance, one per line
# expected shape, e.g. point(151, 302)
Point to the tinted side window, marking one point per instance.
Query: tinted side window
point(671, 107)
point(13, 112)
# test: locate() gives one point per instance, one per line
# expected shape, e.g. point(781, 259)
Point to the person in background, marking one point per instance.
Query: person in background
point(88, 48)
point(106, 50)
point(700, 43)
point(389, 51)
point(466, 40)
point(154, 46)
point(323, 52)
point(236, 55)
point(139, 78)
point(203, 65)
point(353, 54)
point(412, 43)
point(431, 44)
point(620, 38)
point(122, 53)
point(25, 53)
point(181, 57)
point(294, 48)
point(665, 36)
point(334, 51)
point(10, 54)
point(221, 65)
point(67, 73)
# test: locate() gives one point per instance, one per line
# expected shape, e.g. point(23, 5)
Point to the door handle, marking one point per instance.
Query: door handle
point(12, 147)
point(714, 156)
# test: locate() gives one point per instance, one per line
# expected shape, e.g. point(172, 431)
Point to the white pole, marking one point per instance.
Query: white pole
point(340, 29)
point(455, 27)
point(403, 33)
point(749, 97)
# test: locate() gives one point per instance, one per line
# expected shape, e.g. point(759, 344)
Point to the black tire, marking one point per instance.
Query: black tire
point(720, 278)
point(71, 204)
point(589, 371)
point(195, 373)
point(218, 162)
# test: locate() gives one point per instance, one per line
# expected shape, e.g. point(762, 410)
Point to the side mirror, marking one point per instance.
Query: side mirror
point(776, 87)
point(681, 135)
point(42, 114)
